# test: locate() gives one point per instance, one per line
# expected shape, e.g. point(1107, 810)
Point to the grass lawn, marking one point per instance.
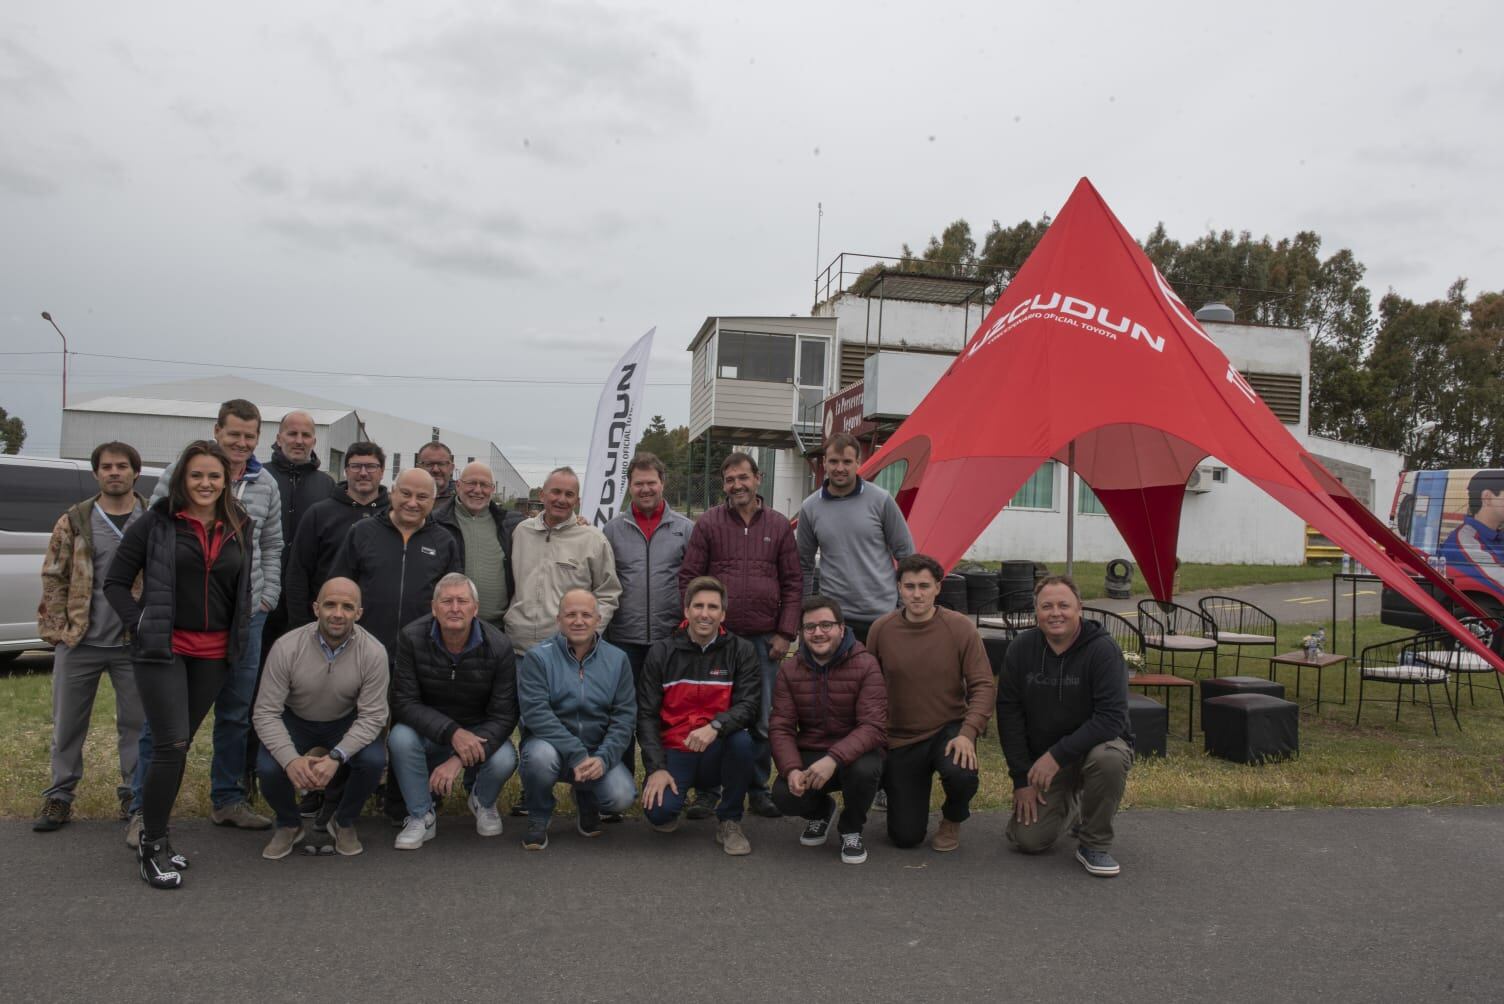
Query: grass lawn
point(1380, 763)
point(1091, 576)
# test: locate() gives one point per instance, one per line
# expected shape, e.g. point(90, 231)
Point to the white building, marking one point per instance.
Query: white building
point(876, 347)
point(158, 419)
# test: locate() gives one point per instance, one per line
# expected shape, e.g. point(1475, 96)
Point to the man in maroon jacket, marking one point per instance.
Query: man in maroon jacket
point(829, 729)
point(751, 549)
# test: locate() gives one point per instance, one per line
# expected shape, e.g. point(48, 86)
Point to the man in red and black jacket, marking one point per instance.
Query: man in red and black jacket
point(699, 691)
point(751, 549)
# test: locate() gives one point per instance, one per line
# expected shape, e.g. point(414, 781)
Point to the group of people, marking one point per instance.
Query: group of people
point(353, 641)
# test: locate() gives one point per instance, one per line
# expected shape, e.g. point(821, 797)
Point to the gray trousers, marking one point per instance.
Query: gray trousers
point(1088, 791)
point(75, 682)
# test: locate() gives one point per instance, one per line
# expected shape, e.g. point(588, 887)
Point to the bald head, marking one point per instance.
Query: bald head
point(579, 617)
point(412, 499)
point(337, 610)
point(295, 438)
point(477, 486)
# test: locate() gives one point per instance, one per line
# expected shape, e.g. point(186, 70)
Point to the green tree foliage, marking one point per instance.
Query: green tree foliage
point(12, 432)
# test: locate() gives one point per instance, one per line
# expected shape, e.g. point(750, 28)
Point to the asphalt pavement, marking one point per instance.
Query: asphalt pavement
point(1288, 602)
point(1360, 905)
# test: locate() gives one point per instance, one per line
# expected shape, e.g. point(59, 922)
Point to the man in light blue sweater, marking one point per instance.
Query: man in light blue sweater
point(859, 534)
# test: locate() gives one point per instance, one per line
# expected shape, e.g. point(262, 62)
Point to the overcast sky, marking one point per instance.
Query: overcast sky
point(518, 191)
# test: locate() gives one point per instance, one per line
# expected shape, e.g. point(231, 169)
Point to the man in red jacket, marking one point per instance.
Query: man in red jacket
point(750, 548)
point(829, 729)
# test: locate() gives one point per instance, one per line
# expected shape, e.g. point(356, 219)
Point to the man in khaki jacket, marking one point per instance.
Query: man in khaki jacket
point(88, 637)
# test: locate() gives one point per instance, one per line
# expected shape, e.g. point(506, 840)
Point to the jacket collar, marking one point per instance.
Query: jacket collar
point(280, 461)
point(562, 644)
point(436, 633)
point(825, 490)
point(848, 642)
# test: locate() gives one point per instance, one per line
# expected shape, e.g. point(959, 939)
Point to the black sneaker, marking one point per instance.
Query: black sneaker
point(179, 860)
point(519, 808)
point(392, 804)
point(704, 805)
point(853, 851)
point(537, 837)
point(612, 817)
point(816, 830)
point(1098, 863)
point(310, 804)
point(760, 803)
point(156, 869)
point(589, 822)
point(55, 813)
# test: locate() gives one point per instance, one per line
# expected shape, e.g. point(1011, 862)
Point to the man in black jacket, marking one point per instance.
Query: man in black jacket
point(322, 529)
point(1062, 711)
point(295, 468)
point(454, 702)
point(397, 557)
point(699, 692)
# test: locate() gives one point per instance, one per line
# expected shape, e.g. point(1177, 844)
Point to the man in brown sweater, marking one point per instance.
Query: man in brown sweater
point(940, 695)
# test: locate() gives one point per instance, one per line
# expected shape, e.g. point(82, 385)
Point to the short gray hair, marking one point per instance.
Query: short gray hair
point(454, 579)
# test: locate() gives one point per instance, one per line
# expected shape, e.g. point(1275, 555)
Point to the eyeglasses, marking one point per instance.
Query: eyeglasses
point(811, 628)
point(440, 464)
point(484, 485)
point(363, 468)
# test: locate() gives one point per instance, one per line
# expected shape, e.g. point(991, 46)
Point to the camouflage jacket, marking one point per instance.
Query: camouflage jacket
point(68, 576)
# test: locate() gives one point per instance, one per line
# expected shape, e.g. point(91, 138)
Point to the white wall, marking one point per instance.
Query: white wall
point(918, 325)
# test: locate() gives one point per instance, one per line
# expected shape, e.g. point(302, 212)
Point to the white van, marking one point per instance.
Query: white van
point(34, 492)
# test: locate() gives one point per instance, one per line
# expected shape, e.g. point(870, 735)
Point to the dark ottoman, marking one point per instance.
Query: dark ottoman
point(1224, 686)
point(1150, 722)
point(1251, 728)
point(995, 641)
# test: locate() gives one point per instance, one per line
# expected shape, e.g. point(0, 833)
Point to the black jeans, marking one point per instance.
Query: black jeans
point(636, 656)
point(857, 784)
point(176, 696)
point(908, 778)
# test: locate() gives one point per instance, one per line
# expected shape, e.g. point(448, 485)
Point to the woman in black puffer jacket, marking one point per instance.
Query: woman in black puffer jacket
point(188, 627)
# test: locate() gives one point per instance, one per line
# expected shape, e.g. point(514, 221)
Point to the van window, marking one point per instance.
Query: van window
point(32, 498)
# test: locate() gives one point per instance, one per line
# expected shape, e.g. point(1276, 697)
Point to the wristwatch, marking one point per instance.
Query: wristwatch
point(717, 726)
point(337, 755)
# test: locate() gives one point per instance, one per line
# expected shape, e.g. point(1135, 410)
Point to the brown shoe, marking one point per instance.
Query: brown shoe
point(284, 839)
point(241, 816)
point(731, 838)
point(947, 837)
point(133, 831)
point(346, 841)
point(55, 813)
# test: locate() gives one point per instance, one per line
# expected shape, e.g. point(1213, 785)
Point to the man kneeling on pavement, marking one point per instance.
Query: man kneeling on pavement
point(1062, 713)
point(828, 729)
point(701, 688)
point(578, 710)
point(323, 688)
point(454, 702)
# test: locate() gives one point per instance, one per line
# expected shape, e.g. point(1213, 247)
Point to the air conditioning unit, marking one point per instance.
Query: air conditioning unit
point(1205, 478)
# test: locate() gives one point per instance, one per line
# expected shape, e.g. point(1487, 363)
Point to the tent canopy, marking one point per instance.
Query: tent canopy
point(1090, 346)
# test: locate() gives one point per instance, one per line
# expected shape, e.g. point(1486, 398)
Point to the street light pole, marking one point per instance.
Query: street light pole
point(48, 318)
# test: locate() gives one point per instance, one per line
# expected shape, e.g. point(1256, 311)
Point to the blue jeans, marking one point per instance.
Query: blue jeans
point(232, 721)
point(542, 768)
point(232, 724)
point(725, 763)
point(414, 757)
point(762, 765)
point(355, 781)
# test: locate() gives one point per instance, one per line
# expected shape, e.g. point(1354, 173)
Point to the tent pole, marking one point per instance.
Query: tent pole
point(1070, 511)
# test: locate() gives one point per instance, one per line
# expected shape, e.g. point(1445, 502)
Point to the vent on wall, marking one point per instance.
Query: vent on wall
point(1280, 391)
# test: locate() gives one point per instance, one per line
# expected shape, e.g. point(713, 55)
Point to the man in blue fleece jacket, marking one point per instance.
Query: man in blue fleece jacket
point(1062, 713)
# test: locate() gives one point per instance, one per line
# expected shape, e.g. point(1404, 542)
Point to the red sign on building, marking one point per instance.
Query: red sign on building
point(843, 413)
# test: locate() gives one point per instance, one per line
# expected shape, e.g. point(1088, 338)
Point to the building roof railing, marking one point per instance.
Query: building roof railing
point(907, 278)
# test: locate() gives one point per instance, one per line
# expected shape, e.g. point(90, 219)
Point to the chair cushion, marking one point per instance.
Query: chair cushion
point(1458, 661)
point(1159, 680)
point(1406, 674)
point(1180, 642)
point(1238, 638)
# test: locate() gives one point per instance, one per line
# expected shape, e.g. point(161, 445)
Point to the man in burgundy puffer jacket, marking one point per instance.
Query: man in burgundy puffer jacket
point(829, 729)
point(750, 548)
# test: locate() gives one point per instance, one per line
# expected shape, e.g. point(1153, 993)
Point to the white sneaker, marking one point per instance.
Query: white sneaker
point(487, 819)
point(417, 831)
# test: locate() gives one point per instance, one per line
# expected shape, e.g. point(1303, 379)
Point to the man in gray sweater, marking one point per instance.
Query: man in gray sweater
point(859, 534)
point(319, 715)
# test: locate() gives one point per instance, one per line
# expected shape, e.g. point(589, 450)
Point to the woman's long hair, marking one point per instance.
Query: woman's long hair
point(226, 508)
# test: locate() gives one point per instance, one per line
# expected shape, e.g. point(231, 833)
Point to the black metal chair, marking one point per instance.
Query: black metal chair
point(1170, 628)
point(1242, 625)
point(1460, 661)
point(1015, 612)
point(1407, 662)
point(1127, 635)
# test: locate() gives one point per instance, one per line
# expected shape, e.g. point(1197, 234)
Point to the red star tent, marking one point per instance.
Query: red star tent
point(1090, 359)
